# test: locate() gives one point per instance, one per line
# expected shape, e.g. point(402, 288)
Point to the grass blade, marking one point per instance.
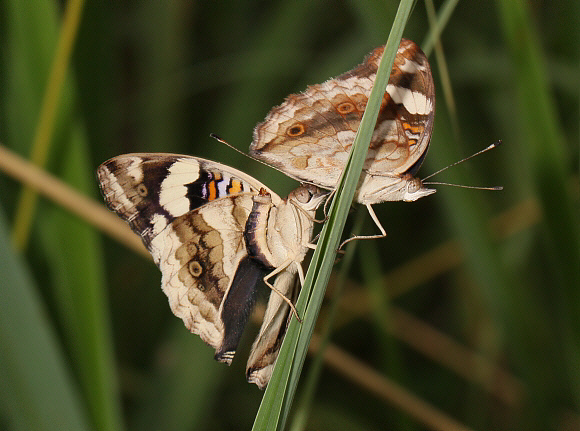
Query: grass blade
point(71, 249)
point(46, 122)
point(547, 154)
point(307, 396)
point(279, 395)
point(36, 389)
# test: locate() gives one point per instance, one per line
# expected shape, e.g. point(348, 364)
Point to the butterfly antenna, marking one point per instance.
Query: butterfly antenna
point(223, 141)
point(226, 143)
point(463, 186)
point(486, 149)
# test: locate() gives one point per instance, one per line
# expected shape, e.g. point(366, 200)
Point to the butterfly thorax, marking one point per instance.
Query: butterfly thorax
point(275, 234)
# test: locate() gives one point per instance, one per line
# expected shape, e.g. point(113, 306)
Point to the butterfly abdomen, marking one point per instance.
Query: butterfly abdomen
point(255, 234)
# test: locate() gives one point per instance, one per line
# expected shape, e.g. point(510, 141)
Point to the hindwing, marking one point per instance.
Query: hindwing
point(277, 317)
point(206, 272)
point(310, 135)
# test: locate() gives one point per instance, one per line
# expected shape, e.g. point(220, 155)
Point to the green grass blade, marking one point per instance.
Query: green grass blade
point(276, 405)
point(311, 383)
point(76, 274)
point(46, 123)
point(551, 173)
point(36, 389)
point(435, 31)
point(75, 281)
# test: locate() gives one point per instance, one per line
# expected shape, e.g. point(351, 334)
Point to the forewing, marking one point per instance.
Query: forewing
point(150, 190)
point(310, 135)
point(405, 122)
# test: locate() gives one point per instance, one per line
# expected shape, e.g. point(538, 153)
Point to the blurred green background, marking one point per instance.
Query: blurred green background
point(471, 303)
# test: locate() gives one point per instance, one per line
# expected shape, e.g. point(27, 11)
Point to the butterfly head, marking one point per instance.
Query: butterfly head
point(414, 189)
point(382, 188)
point(308, 196)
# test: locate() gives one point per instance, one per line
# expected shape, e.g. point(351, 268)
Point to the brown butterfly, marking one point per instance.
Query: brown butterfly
point(310, 135)
point(214, 231)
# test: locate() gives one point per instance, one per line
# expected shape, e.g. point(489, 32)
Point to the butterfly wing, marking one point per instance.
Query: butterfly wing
point(150, 190)
point(191, 215)
point(277, 317)
point(310, 135)
point(206, 272)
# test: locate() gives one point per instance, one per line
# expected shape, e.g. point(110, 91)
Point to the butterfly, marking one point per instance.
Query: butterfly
point(309, 136)
point(214, 232)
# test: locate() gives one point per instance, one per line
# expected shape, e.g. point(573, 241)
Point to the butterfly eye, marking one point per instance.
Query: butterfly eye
point(345, 108)
point(296, 130)
point(301, 195)
point(414, 185)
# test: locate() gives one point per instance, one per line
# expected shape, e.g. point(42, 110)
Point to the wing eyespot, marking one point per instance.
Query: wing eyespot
point(195, 268)
point(296, 130)
point(142, 190)
point(345, 108)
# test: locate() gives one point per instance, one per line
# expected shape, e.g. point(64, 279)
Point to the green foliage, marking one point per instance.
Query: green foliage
point(88, 341)
point(37, 389)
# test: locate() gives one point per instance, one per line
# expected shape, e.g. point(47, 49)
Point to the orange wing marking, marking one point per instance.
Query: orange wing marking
point(212, 190)
point(235, 187)
point(414, 130)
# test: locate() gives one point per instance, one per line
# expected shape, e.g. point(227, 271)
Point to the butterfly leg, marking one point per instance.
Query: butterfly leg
point(327, 202)
point(281, 294)
point(377, 223)
point(307, 215)
point(300, 273)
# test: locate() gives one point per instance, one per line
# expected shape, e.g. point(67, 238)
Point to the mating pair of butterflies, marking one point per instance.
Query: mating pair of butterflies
point(214, 231)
